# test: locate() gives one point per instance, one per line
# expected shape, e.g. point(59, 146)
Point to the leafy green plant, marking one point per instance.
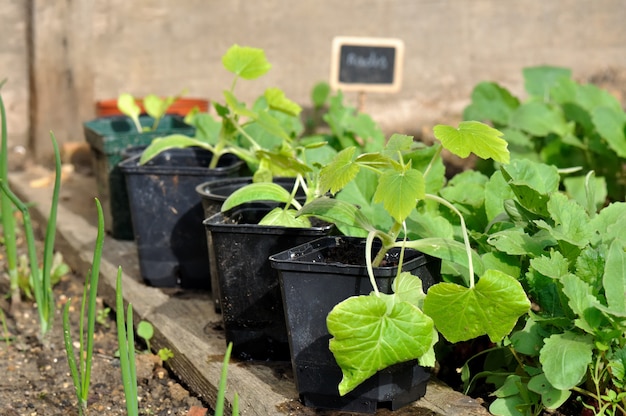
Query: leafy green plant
point(58, 269)
point(40, 278)
point(403, 324)
point(146, 331)
point(562, 123)
point(346, 126)
point(80, 369)
point(249, 133)
point(569, 258)
point(156, 107)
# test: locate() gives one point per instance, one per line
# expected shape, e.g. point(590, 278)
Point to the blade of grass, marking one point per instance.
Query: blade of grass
point(6, 210)
point(127, 351)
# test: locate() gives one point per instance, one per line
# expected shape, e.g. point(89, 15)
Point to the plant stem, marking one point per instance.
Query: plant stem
point(6, 210)
point(468, 247)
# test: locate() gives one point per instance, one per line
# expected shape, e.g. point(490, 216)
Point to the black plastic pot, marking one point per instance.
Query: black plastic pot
point(109, 139)
point(213, 194)
point(167, 214)
point(250, 296)
point(311, 287)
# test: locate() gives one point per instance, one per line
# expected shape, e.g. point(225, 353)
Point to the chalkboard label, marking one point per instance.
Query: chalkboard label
point(366, 64)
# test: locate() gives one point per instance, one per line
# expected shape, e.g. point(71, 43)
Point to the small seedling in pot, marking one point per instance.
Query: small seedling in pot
point(156, 107)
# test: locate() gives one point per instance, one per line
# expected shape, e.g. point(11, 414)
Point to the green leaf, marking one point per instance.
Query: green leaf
point(492, 307)
point(145, 330)
point(565, 358)
point(491, 102)
point(614, 279)
point(339, 172)
point(610, 222)
point(174, 141)
point(397, 143)
point(338, 212)
point(571, 222)
point(516, 242)
point(408, 288)
point(551, 397)
point(539, 80)
point(447, 249)
point(532, 183)
point(539, 119)
point(127, 105)
point(400, 191)
point(592, 196)
point(427, 224)
point(262, 191)
point(583, 303)
point(285, 218)
point(507, 406)
point(497, 190)
point(610, 125)
point(277, 101)
point(155, 106)
point(473, 137)
point(555, 266)
point(529, 340)
point(246, 62)
point(319, 94)
point(371, 333)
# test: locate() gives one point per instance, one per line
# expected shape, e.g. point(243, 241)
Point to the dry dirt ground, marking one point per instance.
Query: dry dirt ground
point(35, 378)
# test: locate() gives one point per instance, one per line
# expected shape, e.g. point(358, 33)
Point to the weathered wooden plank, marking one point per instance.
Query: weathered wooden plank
point(61, 71)
point(186, 321)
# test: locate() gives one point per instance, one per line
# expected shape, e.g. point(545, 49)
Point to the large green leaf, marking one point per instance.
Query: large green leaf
point(614, 279)
point(532, 183)
point(277, 101)
point(447, 249)
point(492, 307)
point(246, 62)
point(539, 119)
point(551, 397)
point(371, 333)
point(571, 222)
point(174, 141)
point(610, 124)
point(262, 191)
point(539, 80)
point(339, 212)
point(285, 218)
point(473, 137)
point(491, 102)
point(400, 191)
point(516, 242)
point(565, 358)
point(339, 172)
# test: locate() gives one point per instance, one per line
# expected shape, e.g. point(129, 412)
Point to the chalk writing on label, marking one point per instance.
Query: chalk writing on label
point(372, 61)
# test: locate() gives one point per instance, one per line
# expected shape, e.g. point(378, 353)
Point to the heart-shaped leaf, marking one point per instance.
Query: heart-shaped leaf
point(492, 307)
point(371, 333)
point(473, 137)
point(399, 191)
point(246, 62)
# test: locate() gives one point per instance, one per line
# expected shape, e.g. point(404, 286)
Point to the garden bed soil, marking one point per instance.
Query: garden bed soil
point(38, 381)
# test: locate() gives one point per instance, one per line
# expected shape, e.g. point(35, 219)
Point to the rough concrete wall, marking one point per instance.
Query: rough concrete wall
point(160, 46)
point(14, 68)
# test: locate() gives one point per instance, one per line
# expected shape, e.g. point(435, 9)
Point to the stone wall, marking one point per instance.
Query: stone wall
point(87, 50)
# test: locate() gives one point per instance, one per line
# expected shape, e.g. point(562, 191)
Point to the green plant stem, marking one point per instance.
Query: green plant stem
point(432, 160)
point(6, 210)
point(126, 342)
point(468, 247)
point(32, 256)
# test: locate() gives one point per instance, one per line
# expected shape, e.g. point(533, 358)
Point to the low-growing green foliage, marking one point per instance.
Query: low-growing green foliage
point(561, 122)
point(145, 330)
